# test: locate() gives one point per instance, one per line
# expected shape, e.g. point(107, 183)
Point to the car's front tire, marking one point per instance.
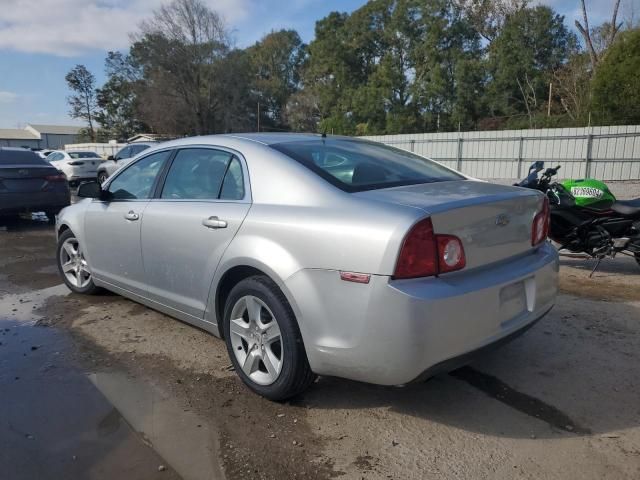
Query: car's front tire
point(102, 177)
point(73, 266)
point(264, 341)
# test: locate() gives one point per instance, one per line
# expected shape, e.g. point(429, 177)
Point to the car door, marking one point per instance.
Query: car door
point(112, 227)
point(186, 229)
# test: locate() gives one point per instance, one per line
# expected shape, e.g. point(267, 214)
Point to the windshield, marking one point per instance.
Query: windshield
point(356, 166)
point(83, 155)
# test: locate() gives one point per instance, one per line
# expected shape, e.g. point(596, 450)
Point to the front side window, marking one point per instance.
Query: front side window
point(136, 182)
point(355, 166)
point(204, 174)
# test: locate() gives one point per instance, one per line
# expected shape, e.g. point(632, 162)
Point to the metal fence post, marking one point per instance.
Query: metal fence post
point(587, 156)
point(412, 144)
point(459, 155)
point(520, 142)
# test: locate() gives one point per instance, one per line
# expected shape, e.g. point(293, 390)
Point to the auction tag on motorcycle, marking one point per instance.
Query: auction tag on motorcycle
point(588, 192)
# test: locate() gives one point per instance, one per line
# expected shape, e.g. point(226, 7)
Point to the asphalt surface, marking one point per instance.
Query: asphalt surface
point(101, 387)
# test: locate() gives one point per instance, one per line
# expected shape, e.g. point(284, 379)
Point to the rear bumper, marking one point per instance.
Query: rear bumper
point(393, 332)
point(34, 201)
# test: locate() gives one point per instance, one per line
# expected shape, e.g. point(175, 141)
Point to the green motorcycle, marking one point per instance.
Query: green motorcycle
point(586, 217)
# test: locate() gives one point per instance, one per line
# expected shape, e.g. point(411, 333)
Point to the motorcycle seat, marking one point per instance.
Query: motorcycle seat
point(628, 208)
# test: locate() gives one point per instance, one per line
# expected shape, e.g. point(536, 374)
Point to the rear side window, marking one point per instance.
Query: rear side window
point(204, 174)
point(355, 166)
point(20, 157)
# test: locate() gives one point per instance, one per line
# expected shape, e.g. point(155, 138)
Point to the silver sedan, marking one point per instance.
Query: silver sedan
point(315, 255)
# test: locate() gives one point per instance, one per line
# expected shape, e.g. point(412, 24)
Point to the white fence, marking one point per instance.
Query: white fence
point(605, 153)
point(102, 149)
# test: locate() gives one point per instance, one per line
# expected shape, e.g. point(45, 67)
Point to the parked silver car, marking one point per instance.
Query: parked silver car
point(312, 255)
point(120, 159)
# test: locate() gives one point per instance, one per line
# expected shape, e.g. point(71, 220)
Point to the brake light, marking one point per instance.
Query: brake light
point(424, 254)
point(540, 227)
point(55, 178)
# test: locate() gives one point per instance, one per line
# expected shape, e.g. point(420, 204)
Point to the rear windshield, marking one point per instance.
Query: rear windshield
point(20, 157)
point(355, 166)
point(83, 155)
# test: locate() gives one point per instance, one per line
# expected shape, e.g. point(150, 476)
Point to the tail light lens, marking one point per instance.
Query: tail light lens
point(424, 254)
point(540, 228)
point(450, 253)
point(55, 178)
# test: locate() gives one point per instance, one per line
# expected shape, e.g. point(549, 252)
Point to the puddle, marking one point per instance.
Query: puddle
point(180, 436)
point(95, 414)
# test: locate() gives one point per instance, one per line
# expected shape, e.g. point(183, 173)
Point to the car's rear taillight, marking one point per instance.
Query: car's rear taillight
point(55, 178)
point(540, 227)
point(450, 253)
point(424, 253)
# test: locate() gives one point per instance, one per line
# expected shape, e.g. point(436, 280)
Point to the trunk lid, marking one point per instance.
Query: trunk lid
point(25, 178)
point(493, 221)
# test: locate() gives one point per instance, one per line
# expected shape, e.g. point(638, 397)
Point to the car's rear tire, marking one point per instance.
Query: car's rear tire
point(637, 255)
point(73, 266)
point(264, 341)
point(102, 177)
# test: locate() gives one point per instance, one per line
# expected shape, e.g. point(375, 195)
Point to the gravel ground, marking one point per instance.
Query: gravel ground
point(559, 402)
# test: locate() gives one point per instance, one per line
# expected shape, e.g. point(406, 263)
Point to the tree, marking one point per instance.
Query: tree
point(275, 63)
point(83, 102)
point(302, 112)
point(604, 35)
point(616, 83)
point(532, 44)
point(179, 51)
point(118, 99)
point(571, 82)
point(487, 17)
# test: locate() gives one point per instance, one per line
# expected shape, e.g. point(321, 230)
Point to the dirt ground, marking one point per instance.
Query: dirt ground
point(561, 401)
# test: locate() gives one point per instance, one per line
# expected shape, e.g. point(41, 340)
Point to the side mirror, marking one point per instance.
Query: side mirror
point(111, 157)
point(90, 189)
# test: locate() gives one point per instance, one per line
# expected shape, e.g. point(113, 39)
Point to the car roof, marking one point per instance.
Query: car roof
point(271, 138)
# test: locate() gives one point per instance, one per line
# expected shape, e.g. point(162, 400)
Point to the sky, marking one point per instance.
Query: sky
point(41, 40)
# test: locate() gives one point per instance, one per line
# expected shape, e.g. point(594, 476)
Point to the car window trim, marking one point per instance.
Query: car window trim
point(234, 153)
point(162, 172)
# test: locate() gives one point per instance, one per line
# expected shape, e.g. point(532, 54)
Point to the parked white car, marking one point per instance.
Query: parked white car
point(77, 166)
point(120, 159)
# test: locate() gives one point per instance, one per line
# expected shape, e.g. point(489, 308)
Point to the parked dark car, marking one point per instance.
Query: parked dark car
point(29, 183)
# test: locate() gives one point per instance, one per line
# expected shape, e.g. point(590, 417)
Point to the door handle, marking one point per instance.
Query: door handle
point(214, 222)
point(131, 215)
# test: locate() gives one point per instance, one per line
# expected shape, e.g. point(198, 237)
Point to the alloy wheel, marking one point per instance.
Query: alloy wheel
point(256, 340)
point(73, 264)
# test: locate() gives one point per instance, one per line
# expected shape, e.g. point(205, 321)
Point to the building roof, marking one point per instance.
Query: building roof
point(56, 129)
point(17, 134)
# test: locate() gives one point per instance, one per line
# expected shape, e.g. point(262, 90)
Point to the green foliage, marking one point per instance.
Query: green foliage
point(531, 45)
point(391, 66)
point(275, 63)
point(616, 84)
point(83, 101)
point(118, 99)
